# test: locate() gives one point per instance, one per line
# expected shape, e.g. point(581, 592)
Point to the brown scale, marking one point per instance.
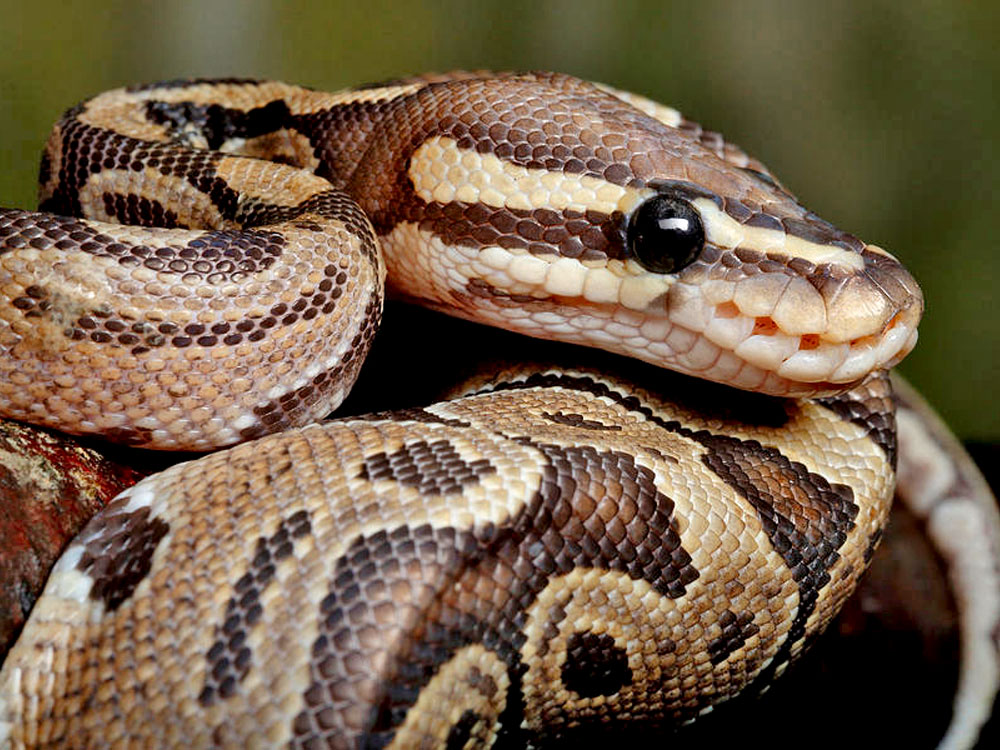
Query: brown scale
point(119, 555)
point(595, 665)
point(735, 631)
point(400, 604)
point(872, 410)
point(591, 236)
point(230, 658)
point(390, 585)
point(806, 517)
point(586, 132)
point(214, 257)
point(131, 209)
point(291, 409)
point(592, 510)
point(433, 468)
point(577, 420)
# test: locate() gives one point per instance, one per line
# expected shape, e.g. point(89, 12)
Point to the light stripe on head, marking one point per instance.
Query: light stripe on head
point(442, 171)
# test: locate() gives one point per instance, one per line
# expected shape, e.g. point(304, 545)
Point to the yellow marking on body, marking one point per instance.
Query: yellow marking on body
point(440, 170)
point(274, 184)
point(368, 96)
point(723, 230)
point(117, 112)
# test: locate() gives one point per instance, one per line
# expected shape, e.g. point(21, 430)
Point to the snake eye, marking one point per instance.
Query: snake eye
point(665, 234)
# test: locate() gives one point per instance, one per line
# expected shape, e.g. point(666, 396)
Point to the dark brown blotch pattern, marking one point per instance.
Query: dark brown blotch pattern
point(381, 582)
point(134, 209)
point(101, 326)
point(119, 552)
point(433, 468)
point(230, 658)
point(216, 122)
point(575, 234)
point(736, 629)
point(595, 665)
point(593, 509)
point(806, 518)
point(460, 734)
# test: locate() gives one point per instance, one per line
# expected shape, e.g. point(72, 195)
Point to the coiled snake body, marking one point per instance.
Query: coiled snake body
point(559, 546)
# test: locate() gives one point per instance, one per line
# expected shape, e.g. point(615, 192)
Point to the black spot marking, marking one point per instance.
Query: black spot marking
point(433, 468)
point(230, 657)
point(595, 665)
point(120, 554)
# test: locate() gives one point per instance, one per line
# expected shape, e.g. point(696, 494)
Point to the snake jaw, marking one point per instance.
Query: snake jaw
point(789, 326)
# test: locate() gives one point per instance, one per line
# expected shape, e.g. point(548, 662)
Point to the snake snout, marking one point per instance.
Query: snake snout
point(872, 316)
point(904, 303)
point(800, 329)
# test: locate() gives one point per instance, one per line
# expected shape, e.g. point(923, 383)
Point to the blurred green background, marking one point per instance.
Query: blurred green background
point(880, 114)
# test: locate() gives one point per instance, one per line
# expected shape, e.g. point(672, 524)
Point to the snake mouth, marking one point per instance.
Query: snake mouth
point(796, 335)
point(756, 354)
point(813, 358)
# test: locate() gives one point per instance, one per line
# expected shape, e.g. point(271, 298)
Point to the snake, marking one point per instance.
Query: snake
point(650, 504)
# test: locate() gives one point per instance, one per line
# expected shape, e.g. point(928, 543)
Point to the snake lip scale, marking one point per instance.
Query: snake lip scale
point(560, 544)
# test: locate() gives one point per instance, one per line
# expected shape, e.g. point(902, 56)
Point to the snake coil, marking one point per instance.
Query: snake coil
point(555, 547)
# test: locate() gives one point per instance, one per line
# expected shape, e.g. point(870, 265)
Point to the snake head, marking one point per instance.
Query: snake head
point(566, 210)
point(770, 296)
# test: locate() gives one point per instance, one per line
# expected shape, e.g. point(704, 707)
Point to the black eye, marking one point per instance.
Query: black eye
point(665, 234)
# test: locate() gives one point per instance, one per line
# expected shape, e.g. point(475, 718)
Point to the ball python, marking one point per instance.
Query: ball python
point(574, 540)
